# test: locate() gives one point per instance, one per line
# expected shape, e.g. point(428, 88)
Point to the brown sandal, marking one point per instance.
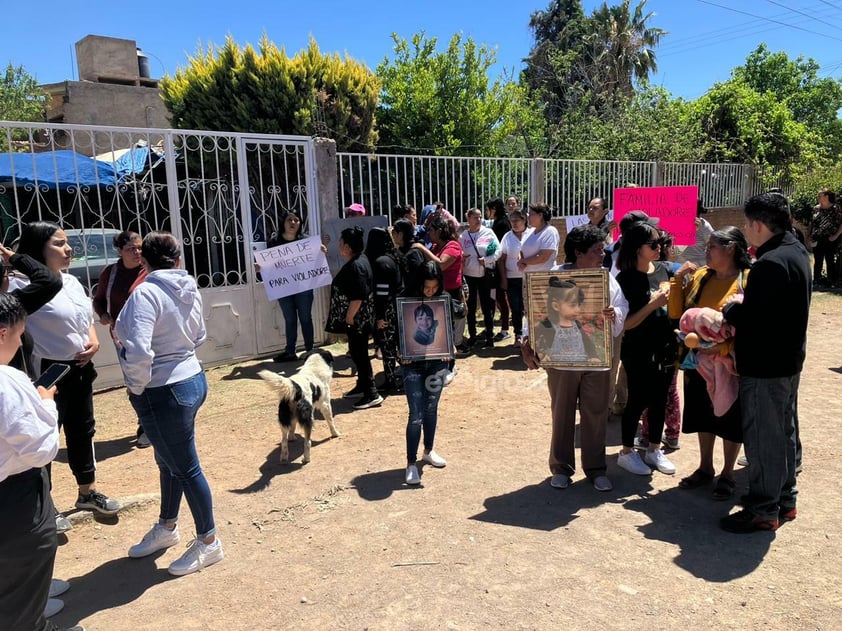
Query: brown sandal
point(696, 479)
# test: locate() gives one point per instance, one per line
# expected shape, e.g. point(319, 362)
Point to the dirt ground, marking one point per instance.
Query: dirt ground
point(486, 543)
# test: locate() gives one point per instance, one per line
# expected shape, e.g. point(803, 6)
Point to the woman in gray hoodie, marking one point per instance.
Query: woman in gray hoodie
point(159, 329)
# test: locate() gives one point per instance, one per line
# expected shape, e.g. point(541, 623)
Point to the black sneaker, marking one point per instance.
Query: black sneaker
point(463, 348)
point(368, 401)
point(285, 357)
point(354, 392)
point(745, 521)
point(488, 343)
point(98, 502)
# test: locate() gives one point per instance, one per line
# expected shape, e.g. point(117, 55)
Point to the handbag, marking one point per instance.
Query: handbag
point(336, 313)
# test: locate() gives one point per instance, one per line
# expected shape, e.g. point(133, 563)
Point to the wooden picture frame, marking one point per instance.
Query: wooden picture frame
point(566, 325)
point(425, 328)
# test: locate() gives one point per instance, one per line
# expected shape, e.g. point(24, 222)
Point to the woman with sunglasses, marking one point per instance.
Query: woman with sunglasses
point(649, 345)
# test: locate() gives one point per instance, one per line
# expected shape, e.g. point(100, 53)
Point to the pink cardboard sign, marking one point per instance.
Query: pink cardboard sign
point(675, 207)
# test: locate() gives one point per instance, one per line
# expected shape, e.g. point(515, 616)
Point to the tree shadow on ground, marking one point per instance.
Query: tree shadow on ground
point(110, 585)
point(380, 485)
point(689, 519)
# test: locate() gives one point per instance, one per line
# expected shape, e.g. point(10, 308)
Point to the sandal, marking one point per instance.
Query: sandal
point(724, 489)
point(696, 479)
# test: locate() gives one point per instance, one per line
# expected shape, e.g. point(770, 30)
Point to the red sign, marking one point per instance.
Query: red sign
point(674, 206)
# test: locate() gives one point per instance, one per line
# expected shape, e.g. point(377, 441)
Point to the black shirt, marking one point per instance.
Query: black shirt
point(653, 339)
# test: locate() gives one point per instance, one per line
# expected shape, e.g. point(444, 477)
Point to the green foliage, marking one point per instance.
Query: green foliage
point(443, 102)
point(265, 91)
point(20, 100)
point(20, 97)
point(807, 186)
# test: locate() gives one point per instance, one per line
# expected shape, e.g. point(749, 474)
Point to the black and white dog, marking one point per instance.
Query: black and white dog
point(306, 391)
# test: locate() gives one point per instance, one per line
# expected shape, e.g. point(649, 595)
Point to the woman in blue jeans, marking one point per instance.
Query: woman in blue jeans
point(298, 307)
point(423, 382)
point(159, 329)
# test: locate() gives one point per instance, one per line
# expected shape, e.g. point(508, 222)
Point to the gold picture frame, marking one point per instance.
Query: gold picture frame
point(566, 325)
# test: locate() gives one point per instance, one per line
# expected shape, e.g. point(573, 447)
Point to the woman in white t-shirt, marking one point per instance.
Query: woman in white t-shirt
point(511, 278)
point(480, 251)
point(540, 249)
point(63, 332)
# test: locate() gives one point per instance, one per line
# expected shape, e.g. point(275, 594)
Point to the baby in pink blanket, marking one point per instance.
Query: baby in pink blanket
point(704, 329)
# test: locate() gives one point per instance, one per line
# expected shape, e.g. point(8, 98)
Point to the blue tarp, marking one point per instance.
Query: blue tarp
point(132, 162)
point(55, 170)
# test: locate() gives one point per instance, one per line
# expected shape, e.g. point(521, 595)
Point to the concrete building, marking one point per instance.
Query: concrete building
point(114, 88)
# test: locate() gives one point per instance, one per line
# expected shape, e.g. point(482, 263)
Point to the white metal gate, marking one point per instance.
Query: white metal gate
point(222, 194)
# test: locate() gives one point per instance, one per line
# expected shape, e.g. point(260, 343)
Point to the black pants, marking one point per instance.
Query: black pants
point(75, 403)
point(479, 287)
point(27, 549)
point(824, 252)
point(648, 385)
point(358, 348)
point(515, 296)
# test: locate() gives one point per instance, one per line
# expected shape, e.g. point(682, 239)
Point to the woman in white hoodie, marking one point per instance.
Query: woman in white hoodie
point(159, 329)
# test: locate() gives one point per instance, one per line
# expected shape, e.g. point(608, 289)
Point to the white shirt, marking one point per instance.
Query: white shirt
point(28, 425)
point(546, 239)
point(510, 246)
point(486, 243)
point(61, 328)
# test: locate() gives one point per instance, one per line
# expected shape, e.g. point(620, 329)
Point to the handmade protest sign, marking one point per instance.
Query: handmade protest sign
point(674, 206)
point(574, 221)
point(293, 267)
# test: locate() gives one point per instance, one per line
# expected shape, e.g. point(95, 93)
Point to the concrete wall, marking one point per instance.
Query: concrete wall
point(106, 57)
point(84, 103)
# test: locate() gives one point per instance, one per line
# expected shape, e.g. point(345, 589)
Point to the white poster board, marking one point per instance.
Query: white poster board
point(580, 220)
point(293, 267)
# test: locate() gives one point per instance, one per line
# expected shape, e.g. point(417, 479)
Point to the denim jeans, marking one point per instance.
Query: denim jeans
point(423, 383)
point(769, 411)
point(168, 416)
point(298, 308)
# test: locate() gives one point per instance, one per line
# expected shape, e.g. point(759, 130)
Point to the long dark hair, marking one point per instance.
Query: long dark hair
point(635, 237)
point(728, 235)
point(444, 227)
point(498, 206)
point(430, 270)
point(405, 228)
point(34, 236)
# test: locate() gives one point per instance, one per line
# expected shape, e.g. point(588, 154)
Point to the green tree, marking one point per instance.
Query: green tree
point(442, 102)
point(620, 44)
point(20, 100)
point(265, 91)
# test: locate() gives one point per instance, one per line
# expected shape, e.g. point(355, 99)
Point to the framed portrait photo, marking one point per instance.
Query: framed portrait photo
point(566, 325)
point(424, 328)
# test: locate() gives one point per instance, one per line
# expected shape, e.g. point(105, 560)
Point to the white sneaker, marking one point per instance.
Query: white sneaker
point(432, 458)
point(448, 378)
point(742, 461)
point(159, 538)
point(633, 463)
point(559, 481)
point(199, 555)
point(657, 459)
point(58, 587)
point(412, 476)
point(54, 605)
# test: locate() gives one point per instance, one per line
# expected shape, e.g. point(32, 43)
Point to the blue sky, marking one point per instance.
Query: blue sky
point(704, 42)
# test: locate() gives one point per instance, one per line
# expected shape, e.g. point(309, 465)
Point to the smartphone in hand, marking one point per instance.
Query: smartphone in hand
point(51, 376)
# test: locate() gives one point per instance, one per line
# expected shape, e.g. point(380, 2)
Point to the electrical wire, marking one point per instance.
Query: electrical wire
point(767, 19)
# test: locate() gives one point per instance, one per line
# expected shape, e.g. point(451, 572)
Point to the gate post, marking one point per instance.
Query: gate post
point(327, 180)
point(537, 181)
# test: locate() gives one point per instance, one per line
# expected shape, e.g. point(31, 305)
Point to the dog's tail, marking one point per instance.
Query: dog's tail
point(283, 384)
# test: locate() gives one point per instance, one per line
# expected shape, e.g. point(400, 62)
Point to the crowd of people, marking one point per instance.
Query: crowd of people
point(154, 313)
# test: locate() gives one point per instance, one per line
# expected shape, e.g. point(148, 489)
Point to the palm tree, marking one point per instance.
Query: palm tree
point(621, 47)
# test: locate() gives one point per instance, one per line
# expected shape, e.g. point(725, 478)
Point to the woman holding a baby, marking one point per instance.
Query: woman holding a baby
point(723, 276)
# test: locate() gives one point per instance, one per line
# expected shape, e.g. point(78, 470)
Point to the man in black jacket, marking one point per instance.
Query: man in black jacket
point(770, 345)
